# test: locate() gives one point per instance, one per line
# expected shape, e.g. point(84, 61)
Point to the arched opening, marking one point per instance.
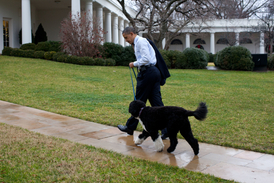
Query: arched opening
point(176, 41)
point(245, 41)
point(199, 41)
point(222, 41)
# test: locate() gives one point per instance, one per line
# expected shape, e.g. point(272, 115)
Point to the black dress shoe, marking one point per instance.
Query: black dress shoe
point(125, 129)
point(164, 136)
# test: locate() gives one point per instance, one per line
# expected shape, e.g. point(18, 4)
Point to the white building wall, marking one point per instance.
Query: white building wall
point(51, 21)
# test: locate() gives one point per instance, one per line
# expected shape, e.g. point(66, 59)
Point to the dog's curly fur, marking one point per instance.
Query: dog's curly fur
point(173, 118)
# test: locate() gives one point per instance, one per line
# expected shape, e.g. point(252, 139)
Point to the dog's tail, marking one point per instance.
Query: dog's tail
point(200, 113)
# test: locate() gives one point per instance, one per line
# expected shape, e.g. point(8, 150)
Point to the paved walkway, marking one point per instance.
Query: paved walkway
point(227, 163)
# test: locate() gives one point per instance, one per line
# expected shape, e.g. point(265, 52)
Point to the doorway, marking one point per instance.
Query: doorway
point(6, 30)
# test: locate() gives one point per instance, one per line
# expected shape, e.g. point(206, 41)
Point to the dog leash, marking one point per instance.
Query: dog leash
point(132, 81)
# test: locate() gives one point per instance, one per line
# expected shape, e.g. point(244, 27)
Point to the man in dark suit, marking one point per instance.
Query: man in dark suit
point(153, 73)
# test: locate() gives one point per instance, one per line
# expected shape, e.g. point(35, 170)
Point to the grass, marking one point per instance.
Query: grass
point(31, 157)
point(240, 103)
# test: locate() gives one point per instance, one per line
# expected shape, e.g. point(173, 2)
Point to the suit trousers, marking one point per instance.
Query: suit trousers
point(148, 88)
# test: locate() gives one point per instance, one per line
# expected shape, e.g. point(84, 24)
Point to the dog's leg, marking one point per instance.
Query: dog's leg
point(187, 134)
point(173, 141)
point(142, 137)
point(159, 145)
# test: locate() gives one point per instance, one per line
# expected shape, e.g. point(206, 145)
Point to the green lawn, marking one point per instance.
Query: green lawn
point(31, 157)
point(240, 104)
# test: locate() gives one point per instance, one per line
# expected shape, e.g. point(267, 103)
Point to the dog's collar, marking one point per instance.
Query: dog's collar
point(141, 111)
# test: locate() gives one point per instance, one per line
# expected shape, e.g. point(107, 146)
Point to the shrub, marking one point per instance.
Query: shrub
point(72, 59)
point(206, 54)
point(62, 58)
point(7, 51)
point(175, 58)
point(86, 61)
point(196, 58)
point(212, 57)
point(42, 46)
point(172, 55)
point(112, 50)
point(100, 61)
point(126, 57)
point(39, 54)
point(270, 62)
point(28, 46)
point(40, 35)
point(55, 46)
point(28, 53)
point(49, 55)
point(17, 52)
point(235, 58)
point(164, 54)
point(181, 61)
point(110, 62)
point(56, 55)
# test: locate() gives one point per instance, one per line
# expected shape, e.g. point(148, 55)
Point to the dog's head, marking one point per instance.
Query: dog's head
point(135, 107)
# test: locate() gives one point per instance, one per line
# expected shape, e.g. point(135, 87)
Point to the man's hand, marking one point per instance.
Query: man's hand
point(131, 65)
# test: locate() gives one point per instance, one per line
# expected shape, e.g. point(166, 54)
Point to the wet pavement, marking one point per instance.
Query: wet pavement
point(227, 163)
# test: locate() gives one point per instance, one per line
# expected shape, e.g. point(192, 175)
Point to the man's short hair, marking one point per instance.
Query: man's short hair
point(128, 30)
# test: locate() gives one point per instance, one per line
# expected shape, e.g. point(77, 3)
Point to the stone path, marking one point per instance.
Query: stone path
point(227, 163)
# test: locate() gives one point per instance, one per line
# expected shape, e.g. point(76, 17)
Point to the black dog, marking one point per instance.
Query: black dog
point(173, 118)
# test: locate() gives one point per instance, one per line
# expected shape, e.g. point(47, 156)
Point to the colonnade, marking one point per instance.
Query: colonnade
point(213, 41)
point(110, 21)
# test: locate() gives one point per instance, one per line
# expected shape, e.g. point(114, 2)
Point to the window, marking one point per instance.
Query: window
point(6, 33)
point(245, 41)
point(176, 41)
point(199, 41)
point(222, 41)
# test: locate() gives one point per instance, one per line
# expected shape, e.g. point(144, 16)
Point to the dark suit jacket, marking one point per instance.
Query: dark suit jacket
point(161, 65)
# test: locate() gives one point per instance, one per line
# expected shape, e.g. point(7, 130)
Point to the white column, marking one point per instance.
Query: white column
point(99, 17)
point(212, 42)
point(187, 40)
point(115, 30)
point(237, 37)
point(262, 43)
point(89, 9)
point(75, 8)
point(26, 21)
point(108, 27)
point(164, 43)
point(121, 26)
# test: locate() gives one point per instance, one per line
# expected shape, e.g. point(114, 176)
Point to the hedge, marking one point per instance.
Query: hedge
point(270, 62)
point(196, 58)
point(234, 58)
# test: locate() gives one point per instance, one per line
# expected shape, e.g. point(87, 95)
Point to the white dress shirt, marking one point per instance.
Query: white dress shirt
point(144, 52)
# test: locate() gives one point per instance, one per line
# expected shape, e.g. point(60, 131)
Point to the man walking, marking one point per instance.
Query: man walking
point(153, 73)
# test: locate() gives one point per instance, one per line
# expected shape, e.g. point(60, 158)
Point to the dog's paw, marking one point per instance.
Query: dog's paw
point(139, 141)
point(170, 149)
point(159, 145)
